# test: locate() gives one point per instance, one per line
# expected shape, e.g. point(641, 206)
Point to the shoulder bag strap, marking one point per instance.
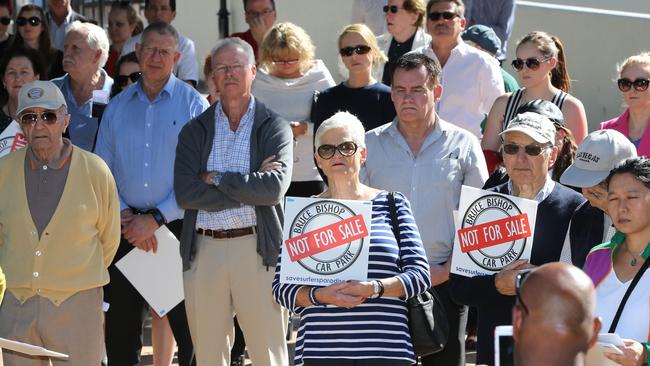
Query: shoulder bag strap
point(636, 279)
point(394, 223)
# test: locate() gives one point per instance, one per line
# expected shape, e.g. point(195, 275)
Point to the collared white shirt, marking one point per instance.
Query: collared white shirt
point(186, 68)
point(471, 81)
point(449, 158)
point(230, 153)
point(543, 192)
point(57, 32)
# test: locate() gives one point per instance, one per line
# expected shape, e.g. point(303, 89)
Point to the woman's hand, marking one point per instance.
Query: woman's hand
point(335, 294)
point(363, 289)
point(634, 354)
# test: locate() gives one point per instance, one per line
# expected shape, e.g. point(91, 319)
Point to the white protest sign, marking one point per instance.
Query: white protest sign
point(492, 231)
point(29, 349)
point(11, 139)
point(325, 241)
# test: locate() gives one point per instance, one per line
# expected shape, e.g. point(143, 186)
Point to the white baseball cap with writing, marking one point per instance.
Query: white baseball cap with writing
point(536, 126)
point(40, 93)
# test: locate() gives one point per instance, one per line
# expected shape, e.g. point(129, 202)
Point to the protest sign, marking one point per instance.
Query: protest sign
point(11, 139)
point(325, 241)
point(492, 231)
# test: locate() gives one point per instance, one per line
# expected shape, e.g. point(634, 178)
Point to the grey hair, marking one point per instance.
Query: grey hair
point(95, 37)
point(344, 120)
point(162, 29)
point(234, 42)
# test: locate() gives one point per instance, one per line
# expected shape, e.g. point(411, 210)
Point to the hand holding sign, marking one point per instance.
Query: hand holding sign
point(504, 281)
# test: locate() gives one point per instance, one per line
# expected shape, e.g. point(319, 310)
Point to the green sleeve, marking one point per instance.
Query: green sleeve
point(647, 346)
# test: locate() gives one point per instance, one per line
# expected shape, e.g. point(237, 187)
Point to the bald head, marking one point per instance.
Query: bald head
point(560, 323)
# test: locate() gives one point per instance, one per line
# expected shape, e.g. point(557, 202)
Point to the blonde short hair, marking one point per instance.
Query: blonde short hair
point(642, 58)
point(287, 37)
point(378, 56)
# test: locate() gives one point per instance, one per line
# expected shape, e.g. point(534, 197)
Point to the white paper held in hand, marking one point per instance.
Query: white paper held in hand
point(157, 277)
point(29, 349)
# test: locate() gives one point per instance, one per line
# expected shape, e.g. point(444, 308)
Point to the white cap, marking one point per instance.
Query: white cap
point(597, 155)
point(535, 125)
point(39, 93)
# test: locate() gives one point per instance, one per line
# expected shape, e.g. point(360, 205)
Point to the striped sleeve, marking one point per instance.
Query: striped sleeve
point(285, 294)
point(415, 277)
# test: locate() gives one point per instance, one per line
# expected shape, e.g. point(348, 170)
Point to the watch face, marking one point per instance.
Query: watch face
point(216, 179)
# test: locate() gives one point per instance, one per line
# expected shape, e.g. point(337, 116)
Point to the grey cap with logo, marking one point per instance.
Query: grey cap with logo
point(597, 155)
point(40, 93)
point(534, 125)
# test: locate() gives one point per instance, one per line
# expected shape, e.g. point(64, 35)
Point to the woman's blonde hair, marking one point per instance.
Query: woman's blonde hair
point(642, 58)
point(287, 37)
point(378, 56)
point(551, 46)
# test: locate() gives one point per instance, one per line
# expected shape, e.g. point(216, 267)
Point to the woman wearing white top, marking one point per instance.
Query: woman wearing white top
point(287, 78)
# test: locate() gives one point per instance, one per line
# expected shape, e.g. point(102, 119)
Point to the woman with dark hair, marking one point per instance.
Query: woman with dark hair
point(122, 25)
point(33, 32)
point(613, 266)
point(5, 20)
point(18, 66)
point(127, 72)
point(542, 68)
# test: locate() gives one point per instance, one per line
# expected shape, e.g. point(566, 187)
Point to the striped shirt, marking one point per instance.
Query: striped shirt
point(378, 328)
point(230, 152)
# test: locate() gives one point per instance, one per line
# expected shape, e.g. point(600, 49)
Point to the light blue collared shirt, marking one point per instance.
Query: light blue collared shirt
point(137, 139)
point(83, 127)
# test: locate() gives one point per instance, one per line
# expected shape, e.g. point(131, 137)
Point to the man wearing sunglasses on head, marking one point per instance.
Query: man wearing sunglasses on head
point(528, 153)
point(59, 230)
point(471, 80)
point(59, 16)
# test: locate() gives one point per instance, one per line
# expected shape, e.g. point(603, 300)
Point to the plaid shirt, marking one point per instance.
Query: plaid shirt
point(230, 153)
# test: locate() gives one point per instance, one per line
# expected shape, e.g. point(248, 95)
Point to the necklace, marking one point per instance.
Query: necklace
point(633, 261)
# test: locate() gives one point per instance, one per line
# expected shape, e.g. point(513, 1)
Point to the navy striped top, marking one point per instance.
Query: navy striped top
point(377, 328)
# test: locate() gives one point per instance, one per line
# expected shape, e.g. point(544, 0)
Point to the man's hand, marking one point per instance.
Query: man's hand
point(298, 128)
point(207, 177)
point(126, 215)
point(268, 164)
point(634, 354)
point(140, 232)
point(259, 28)
point(505, 279)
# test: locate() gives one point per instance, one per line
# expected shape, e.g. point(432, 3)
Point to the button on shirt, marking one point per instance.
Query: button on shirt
point(138, 138)
point(449, 158)
point(471, 81)
point(83, 126)
point(230, 153)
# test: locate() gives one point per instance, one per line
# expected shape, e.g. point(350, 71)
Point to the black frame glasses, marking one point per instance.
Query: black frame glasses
point(5, 20)
point(33, 21)
point(30, 118)
point(532, 63)
point(358, 49)
point(530, 150)
point(519, 281)
point(392, 8)
point(122, 80)
point(639, 84)
point(347, 148)
point(435, 16)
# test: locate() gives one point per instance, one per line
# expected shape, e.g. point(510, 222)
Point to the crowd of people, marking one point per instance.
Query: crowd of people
point(104, 138)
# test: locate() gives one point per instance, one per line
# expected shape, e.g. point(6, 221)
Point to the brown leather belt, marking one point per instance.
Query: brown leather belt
point(227, 234)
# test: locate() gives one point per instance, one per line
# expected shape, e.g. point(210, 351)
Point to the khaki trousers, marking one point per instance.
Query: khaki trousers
point(226, 278)
point(75, 328)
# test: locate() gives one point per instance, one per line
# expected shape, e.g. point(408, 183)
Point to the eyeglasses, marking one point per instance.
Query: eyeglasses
point(358, 49)
point(531, 63)
point(285, 62)
point(5, 20)
point(163, 52)
point(33, 21)
point(640, 84)
point(223, 69)
point(446, 15)
point(530, 150)
point(30, 119)
point(519, 281)
point(327, 151)
point(122, 80)
point(257, 14)
point(392, 8)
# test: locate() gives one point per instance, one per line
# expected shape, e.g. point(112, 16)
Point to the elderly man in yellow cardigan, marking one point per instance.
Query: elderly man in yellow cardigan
point(59, 231)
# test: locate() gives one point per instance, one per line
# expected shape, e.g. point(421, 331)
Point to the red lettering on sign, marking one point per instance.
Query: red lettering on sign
point(19, 142)
point(325, 238)
point(494, 233)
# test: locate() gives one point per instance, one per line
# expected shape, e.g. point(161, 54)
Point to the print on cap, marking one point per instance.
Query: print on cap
point(35, 93)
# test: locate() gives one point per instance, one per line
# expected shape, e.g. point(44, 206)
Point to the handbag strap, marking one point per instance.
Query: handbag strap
point(394, 223)
point(619, 311)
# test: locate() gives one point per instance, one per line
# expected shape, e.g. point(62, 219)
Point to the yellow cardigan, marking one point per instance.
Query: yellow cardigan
point(80, 240)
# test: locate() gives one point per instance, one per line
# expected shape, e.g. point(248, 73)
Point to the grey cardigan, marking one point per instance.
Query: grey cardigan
point(270, 135)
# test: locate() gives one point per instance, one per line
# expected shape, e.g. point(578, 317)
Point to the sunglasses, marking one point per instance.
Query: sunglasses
point(358, 49)
point(33, 21)
point(285, 62)
point(531, 63)
point(640, 84)
point(446, 15)
point(30, 119)
point(392, 8)
point(5, 20)
point(327, 151)
point(122, 80)
point(530, 150)
point(519, 281)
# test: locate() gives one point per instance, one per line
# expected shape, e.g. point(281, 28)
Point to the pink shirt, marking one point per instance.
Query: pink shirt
point(621, 124)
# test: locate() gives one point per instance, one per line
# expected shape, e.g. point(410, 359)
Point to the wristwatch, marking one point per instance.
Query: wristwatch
point(378, 289)
point(216, 179)
point(158, 216)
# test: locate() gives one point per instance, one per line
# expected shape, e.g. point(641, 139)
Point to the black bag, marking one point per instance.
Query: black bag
point(427, 317)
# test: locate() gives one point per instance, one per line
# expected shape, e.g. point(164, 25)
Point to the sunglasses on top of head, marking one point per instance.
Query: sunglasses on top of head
point(446, 15)
point(5, 20)
point(358, 49)
point(327, 151)
point(640, 84)
point(392, 8)
point(122, 80)
point(531, 63)
point(33, 21)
